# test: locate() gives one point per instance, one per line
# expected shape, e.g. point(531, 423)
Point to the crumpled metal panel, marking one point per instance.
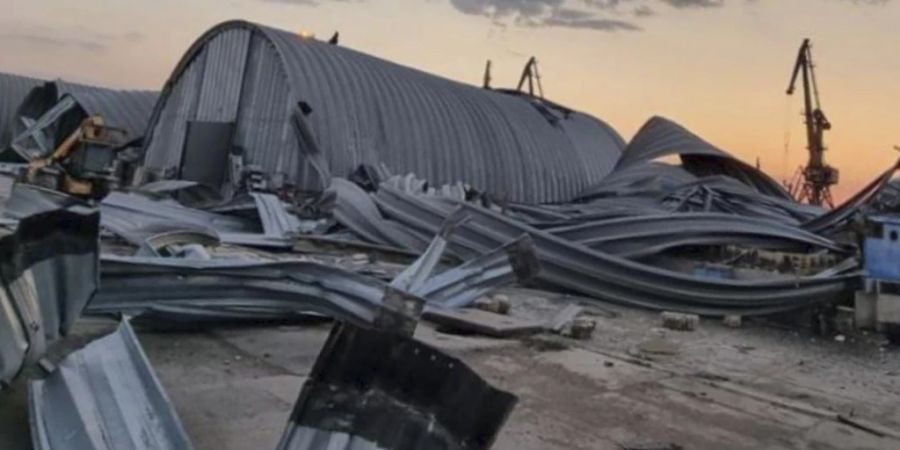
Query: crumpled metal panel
point(610, 278)
point(660, 137)
point(354, 208)
point(194, 290)
point(515, 262)
point(126, 109)
point(640, 236)
point(137, 217)
point(834, 220)
point(13, 90)
point(462, 285)
point(277, 223)
point(49, 272)
point(375, 390)
point(642, 179)
point(363, 110)
point(104, 397)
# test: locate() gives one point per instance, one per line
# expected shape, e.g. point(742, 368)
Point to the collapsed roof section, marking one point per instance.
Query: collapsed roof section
point(13, 89)
point(53, 110)
point(660, 137)
point(240, 86)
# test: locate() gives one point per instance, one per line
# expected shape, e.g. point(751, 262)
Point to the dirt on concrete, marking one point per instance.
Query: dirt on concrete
point(633, 385)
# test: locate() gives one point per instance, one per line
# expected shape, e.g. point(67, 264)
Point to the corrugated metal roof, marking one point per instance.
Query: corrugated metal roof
point(128, 109)
point(369, 111)
point(372, 389)
point(661, 137)
point(569, 265)
point(13, 89)
point(105, 397)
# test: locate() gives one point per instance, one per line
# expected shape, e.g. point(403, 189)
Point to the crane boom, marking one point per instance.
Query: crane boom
point(818, 177)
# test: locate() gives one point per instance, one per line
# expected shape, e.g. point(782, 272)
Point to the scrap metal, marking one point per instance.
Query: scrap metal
point(832, 221)
point(191, 290)
point(126, 109)
point(660, 137)
point(49, 270)
point(104, 397)
point(610, 278)
point(645, 235)
point(375, 390)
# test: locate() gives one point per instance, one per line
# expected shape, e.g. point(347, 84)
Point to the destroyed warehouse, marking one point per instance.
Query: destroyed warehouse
point(276, 179)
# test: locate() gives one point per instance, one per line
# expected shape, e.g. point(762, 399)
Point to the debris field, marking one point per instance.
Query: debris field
point(295, 245)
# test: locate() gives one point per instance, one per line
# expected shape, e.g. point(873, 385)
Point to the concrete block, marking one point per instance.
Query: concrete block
point(845, 320)
point(680, 321)
point(864, 313)
point(887, 309)
point(732, 321)
point(497, 304)
point(582, 328)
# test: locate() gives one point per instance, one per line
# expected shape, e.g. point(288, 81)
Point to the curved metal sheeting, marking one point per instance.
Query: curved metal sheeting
point(647, 178)
point(364, 110)
point(13, 90)
point(49, 271)
point(634, 237)
point(105, 396)
point(611, 278)
point(661, 137)
point(127, 109)
point(832, 221)
point(196, 290)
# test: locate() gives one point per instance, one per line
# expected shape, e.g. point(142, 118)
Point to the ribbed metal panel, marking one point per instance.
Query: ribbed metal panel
point(223, 76)
point(104, 396)
point(13, 90)
point(661, 137)
point(261, 129)
point(126, 109)
point(370, 111)
point(180, 103)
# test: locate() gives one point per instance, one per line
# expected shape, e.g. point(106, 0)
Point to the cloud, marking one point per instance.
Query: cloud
point(295, 2)
point(694, 3)
point(643, 11)
point(498, 9)
point(38, 40)
point(66, 38)
point(582, 14)
point(310, 2)
point(580, 19)
point(598, 15)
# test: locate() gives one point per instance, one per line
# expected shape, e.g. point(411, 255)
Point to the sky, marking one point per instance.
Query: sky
point(718, 67)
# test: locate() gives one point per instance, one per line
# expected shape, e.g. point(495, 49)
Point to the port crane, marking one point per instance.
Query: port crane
point(812, 183)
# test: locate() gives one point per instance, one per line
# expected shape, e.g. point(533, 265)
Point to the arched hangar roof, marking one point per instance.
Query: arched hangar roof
point(365, 110)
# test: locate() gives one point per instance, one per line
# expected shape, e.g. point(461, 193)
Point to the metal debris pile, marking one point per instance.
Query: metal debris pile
point(228, 192)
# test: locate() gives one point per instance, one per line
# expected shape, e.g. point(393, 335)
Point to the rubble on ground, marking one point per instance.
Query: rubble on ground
point(282, 201)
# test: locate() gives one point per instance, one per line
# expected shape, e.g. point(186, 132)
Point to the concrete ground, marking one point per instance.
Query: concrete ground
point(632, 386)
